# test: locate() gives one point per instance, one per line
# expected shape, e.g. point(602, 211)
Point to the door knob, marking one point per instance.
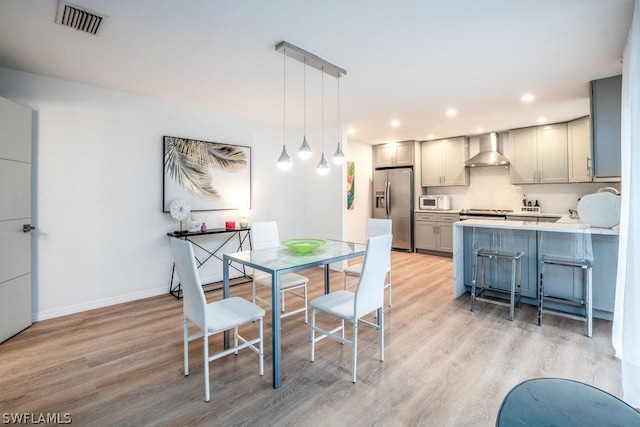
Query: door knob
point(27, 228)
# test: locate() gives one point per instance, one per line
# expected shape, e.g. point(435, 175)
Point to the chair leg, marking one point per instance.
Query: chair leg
point(205, 343)
point(589, 301)
point(235, 339)
point(186, 346)
point(512, 299)
point(306, 304)
point(473, 283)
point(253, 290)
point(354, 350)
point(313, 333)
point(381, 324)
point(261, 355)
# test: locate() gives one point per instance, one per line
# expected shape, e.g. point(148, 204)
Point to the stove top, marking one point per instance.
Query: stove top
point(486, 211)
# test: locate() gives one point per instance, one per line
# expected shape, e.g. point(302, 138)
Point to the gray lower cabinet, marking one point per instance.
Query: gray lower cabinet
point(434, 231)
point(500, 273)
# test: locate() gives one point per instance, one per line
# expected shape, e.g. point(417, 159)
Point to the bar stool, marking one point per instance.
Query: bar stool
point(565, 286)
point(495, 248)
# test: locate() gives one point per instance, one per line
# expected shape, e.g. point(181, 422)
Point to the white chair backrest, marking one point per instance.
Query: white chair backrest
point(193, 300)
point(264, 235)
point(370, 291)
point(378, 227)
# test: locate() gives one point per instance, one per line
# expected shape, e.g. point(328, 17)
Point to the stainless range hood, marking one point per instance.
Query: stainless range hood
point(489, 154)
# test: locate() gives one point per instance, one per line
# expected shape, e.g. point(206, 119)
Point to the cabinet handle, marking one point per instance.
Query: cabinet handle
point(589, 166)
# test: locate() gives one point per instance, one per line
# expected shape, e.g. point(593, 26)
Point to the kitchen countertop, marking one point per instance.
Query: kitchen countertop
point(563, 225)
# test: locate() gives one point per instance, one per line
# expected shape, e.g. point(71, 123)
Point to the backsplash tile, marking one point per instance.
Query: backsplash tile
point(490, 189)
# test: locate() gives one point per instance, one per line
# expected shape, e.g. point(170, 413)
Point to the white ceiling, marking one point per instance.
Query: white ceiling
point(408, 60)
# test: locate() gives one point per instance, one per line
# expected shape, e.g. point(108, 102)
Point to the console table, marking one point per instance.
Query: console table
point(244, 238)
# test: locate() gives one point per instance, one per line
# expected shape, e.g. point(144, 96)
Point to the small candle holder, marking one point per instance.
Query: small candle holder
point(230, 224)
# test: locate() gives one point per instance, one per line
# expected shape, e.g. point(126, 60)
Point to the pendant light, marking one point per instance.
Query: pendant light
point(338, 156)
point(304, 152)
point(323, 166)
point(284, 161)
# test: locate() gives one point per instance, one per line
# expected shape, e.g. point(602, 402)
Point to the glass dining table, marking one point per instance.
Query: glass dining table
point(279, 261)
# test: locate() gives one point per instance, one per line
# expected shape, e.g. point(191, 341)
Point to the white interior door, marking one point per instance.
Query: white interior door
point(15, 212)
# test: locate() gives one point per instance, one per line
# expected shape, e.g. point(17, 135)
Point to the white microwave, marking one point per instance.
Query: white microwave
point(441, 203)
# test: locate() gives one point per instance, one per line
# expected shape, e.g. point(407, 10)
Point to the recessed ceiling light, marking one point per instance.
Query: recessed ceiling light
point(542, 120)
point(451, 112)
point(430, 136)
point(395, 123)
point(527, 97)
point(480, 130)
point(351, 131)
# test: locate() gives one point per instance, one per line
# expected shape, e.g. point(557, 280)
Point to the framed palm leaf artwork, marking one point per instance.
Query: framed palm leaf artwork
point(208, 175)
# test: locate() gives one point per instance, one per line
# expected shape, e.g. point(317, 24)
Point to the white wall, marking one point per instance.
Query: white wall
point(101, 236)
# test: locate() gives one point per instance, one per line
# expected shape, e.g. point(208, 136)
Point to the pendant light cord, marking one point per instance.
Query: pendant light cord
point(284, 96)
point(323, 110)
point(304, 98)
point(339, 127)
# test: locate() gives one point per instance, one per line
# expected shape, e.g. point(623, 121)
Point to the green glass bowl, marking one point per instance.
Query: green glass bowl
point(303, 246)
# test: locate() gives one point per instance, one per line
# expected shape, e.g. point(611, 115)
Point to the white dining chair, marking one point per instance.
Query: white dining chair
point(214, 317)
point(375, 227)
point(265, 235)
point(352, 306)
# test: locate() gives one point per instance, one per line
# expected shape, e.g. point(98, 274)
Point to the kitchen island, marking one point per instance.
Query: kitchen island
point(526, 235)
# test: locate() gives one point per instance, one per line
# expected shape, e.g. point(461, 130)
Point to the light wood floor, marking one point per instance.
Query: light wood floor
point(445, 366)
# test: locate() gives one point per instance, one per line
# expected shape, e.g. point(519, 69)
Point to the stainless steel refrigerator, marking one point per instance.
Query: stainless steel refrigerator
point(393, 199)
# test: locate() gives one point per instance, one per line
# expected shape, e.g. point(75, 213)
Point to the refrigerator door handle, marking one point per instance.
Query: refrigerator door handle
point(387, 196)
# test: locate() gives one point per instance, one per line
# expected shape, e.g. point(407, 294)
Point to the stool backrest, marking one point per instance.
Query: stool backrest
point(575, 244)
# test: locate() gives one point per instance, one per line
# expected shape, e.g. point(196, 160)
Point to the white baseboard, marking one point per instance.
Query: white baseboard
point(72, 309)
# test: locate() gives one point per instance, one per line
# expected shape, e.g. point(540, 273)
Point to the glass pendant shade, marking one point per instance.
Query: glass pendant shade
point(284, 161)
point(338, 156)
point(304, 152)
point(323, 166)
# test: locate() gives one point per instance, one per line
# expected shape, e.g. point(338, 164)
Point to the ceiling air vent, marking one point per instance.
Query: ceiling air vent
point(78, 18)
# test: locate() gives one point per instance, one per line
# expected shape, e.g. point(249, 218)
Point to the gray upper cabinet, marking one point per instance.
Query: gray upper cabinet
point(539, 155)
point(606, 96)
point(443, 162)
point(393, 154)
point(580, 156)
